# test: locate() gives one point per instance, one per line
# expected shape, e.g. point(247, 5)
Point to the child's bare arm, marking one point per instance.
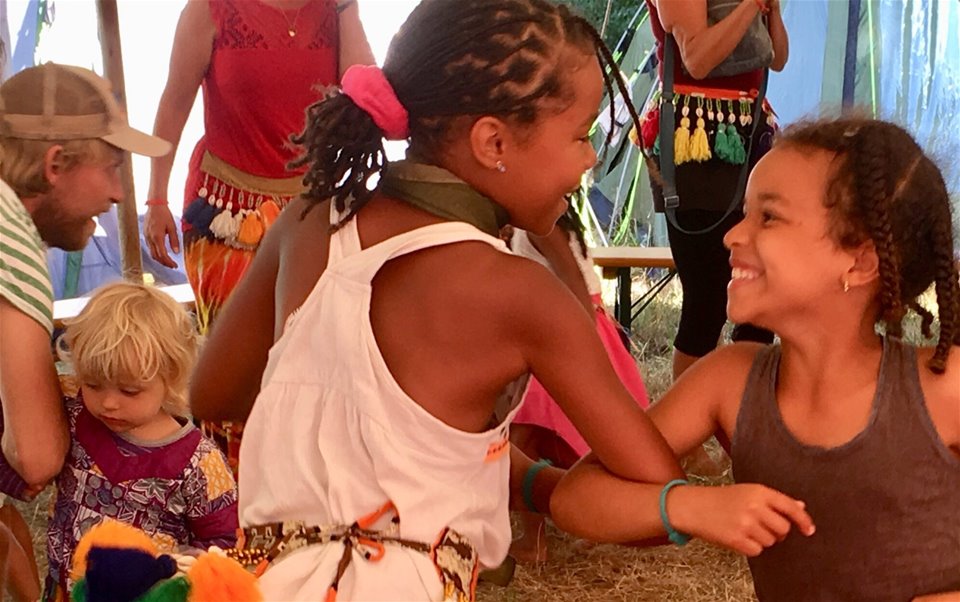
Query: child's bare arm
point(705, 399)
point(944, 597)
point(560, 345)
point(541, 484)
point(745, 518)
point(244, 332)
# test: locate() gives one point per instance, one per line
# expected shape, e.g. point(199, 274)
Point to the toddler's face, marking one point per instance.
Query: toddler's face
point(135, 409)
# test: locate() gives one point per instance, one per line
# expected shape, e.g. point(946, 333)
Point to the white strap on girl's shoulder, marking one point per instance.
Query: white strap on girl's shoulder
point(434, 235)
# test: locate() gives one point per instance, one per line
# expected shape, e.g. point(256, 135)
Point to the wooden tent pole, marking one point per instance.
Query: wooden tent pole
point(109, 25)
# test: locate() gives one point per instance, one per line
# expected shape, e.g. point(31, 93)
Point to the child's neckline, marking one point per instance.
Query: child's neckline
point(185, 427)
point(857, 439)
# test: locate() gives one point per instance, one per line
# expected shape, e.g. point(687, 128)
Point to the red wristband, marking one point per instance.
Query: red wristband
point(763, 6)
point(156, 202)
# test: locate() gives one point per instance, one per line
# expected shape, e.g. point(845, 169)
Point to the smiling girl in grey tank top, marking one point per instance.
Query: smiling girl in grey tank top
point(873, 498)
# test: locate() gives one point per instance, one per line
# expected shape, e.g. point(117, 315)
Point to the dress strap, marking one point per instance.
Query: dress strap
point(344, 241)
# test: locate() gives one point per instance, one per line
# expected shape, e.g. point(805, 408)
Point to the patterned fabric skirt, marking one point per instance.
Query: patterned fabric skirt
point(452, 555)
point(223, 225)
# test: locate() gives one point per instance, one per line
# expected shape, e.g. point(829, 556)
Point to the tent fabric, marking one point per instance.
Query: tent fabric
point(899, 59)
point(896, 59)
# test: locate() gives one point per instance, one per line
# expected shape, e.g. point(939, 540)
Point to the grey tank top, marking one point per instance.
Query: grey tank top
point(886, 503)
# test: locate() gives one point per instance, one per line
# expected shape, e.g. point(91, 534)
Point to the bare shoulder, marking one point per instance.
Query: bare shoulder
point(198, 14)
point(733, 359)
point(718, 380)
point(942, 394)
point(681, 12)
point(528, 289)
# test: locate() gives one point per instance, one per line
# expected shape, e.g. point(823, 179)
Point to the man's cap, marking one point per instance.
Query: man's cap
point(60, 102)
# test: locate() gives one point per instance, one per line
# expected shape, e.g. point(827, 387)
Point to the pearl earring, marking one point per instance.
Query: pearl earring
point(501, 167)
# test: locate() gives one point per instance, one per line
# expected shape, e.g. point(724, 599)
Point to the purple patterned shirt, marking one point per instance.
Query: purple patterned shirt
point(179, 491)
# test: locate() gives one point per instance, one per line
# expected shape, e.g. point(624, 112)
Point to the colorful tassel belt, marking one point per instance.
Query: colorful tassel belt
point(455, 559)
point(723, 119)
point(235, 207)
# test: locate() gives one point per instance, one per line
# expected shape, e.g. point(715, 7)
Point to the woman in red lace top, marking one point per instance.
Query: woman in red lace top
point(260, 64)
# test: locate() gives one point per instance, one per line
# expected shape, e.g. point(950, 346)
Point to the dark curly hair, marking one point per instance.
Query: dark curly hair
point(885, 189)
point(451, 59)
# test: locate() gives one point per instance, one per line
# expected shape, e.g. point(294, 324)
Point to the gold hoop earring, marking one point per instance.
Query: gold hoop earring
point(846, 286)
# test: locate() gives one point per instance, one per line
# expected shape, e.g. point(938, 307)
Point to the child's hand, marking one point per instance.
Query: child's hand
point(746, 518)
point(945, 597)
point(31, 492)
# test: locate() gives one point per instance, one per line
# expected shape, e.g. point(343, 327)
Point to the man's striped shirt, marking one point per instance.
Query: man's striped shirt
point(24, 276)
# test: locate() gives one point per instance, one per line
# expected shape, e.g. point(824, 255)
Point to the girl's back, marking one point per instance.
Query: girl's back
point(329, 391)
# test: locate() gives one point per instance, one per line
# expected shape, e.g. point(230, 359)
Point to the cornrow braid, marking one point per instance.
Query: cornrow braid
point(885, 189)
point(451, 62)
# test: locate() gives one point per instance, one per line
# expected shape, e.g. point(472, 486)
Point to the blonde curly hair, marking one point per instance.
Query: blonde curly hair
point(132, 333)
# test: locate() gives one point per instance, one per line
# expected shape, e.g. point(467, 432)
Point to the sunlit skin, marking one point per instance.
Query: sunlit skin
point(132, 409)
point(64, 215)
point(562, 141)
point(786, 266)
point(534, 195)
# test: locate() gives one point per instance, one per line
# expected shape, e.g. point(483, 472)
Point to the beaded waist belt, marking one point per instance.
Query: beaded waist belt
point(235, 207)
point(721, 119)
point(455, 559)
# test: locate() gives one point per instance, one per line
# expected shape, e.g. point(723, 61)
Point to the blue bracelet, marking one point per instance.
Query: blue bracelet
point(527, 486)
point(680, 539)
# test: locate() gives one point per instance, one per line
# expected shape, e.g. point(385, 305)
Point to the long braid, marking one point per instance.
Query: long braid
point(872, 198)
point(885, 189)
point(947, 286)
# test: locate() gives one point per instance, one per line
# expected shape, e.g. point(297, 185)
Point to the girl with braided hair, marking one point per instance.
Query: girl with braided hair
point(383, 335)
point(847, 223)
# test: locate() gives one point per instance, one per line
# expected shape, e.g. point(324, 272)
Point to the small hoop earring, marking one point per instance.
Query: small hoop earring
point(501, 167)
point(846, 286)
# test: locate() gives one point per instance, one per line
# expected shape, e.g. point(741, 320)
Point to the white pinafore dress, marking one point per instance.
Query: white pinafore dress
point(332, 438)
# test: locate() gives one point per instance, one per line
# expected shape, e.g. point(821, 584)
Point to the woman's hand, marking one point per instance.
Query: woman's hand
point(158, 228)
point(746, 518)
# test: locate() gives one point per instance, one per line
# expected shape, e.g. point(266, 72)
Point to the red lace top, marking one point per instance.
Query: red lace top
point(261, 79)
point(744, 82)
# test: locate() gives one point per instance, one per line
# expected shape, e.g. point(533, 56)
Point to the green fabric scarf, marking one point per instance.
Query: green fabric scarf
point(439, 192)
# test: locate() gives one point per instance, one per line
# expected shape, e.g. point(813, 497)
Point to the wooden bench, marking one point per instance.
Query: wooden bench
point(69, 308)
point(617, 263)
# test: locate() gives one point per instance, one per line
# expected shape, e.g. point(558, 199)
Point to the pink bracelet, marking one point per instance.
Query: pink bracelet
point(156, 203)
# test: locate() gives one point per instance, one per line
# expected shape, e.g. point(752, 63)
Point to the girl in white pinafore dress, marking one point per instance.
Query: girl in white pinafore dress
point(350, 489)
point(354, 443)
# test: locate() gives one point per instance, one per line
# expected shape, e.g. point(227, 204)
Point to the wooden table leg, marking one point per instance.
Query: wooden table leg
point(624, 302)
